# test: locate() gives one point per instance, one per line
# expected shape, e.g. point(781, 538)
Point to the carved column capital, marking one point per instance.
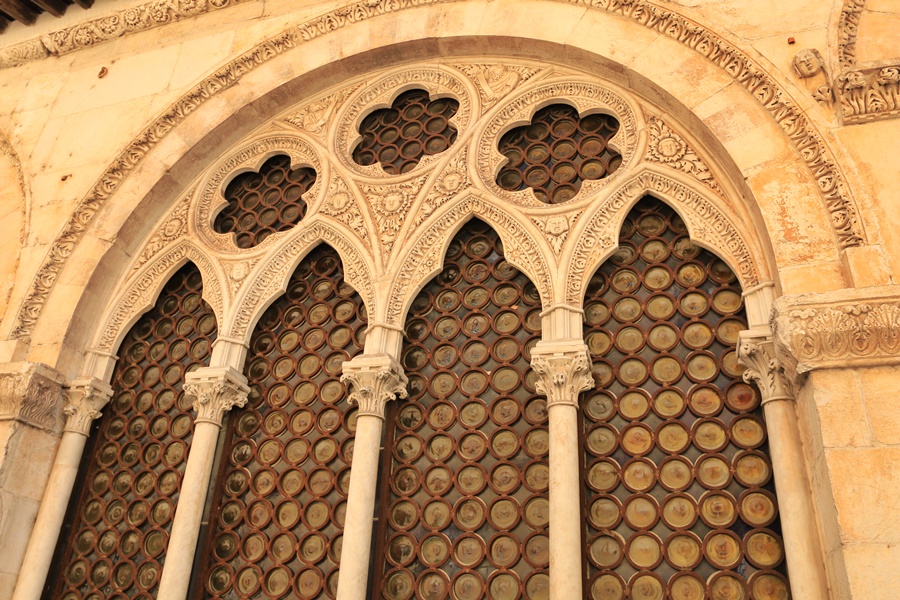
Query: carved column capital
point(31, 393)
point(374, 380)
point(563, 371)
point(215, 391)
point(86, 398)
point(757, 353)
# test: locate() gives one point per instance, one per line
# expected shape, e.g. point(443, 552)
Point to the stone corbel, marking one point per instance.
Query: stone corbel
point(215, 391)
point(32, 393)
point(374, 380)
point(564, 371)
point(757, 353)
point(86, 398)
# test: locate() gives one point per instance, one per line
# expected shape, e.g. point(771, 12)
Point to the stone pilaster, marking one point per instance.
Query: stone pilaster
point(373, 381)
point(216, 390)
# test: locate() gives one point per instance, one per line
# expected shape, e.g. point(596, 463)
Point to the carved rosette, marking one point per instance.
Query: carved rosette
point(86, 398)
point(764, 368)
point(215, 390)
point(374, 380)
point(562, 376)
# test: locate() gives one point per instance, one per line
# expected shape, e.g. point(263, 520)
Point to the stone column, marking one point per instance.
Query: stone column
point(564, 371)
point(31, 422)
point(798, 519)
point(217, 390)
point(86, 398)
point(373, 380)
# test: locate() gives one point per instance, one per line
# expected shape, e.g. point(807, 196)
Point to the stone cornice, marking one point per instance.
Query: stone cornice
point(86, 398)
point(843, 329)
point(216, 390)
point(563, 371)
point(374, 380)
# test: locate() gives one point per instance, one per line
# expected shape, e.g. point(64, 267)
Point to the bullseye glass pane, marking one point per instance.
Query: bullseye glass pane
point(130, 478)
point(678, 488)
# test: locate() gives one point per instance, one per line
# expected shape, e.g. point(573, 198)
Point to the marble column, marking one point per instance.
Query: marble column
point(86, 398)
point(798, 522)
point(216, 390)
point(374, 380)
point(564, 371)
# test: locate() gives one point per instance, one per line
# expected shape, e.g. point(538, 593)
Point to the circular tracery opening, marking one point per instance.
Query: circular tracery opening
point(398, 137)
point(557, 151)
point(261, 203)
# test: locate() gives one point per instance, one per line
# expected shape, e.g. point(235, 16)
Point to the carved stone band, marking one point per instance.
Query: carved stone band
point(31, 393)
point(562, 375)
point(86, 398)
point(374, 380)
point(216, 390)
point(764, 368)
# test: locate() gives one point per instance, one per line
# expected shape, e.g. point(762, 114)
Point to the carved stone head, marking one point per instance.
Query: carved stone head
point(807, 63)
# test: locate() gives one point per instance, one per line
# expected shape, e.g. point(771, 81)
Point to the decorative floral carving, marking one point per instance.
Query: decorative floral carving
point(32, 394)
point(869, 94)
point(764, 369)
point(341, 203)
point(668, 148)
point(173, 227)
point(355, 13)
point(519, 246)
point(707, 223)
point(453, 180)
point(848, 29)
point(86, 398)
point(140, 293)
point(585, 96)
point(556, 228)
point(391, 205)
point(314, 117)
point(216, 390)
point(496, 80)
point(374, 380)
point(561, 376)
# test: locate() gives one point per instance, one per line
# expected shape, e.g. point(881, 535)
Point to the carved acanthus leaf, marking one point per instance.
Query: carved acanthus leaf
point(869, 94)
point(215, 391)
point(32, 393)
point(86, 398)
point(763, 368)
point(668, 148)
point(561, 376)
point(374, 380)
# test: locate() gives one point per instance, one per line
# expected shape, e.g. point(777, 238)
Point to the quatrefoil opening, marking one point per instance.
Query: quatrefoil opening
point(413, 127)
point(557, 151)
point(261, 203)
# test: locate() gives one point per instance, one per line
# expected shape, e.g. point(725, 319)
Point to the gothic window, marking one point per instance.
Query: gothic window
point(278, 508)
point(464, 486)
point(558, 150)
point(678, 493)
point(260, 204)
point(130, 478)
point(398, 137)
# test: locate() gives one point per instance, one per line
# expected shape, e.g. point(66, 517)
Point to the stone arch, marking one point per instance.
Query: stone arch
point(523, 247)
point(269, 279)
point(14, 221)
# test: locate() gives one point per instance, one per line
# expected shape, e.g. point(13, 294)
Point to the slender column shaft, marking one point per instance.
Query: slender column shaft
point(217, 390)
point(374, 379)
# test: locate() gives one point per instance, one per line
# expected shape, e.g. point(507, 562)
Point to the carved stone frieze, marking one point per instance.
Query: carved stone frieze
point(706, 222)
point(374, 380)
point(215, 390)
point(315, 116)
point(437, 81)
point(520, 247)
point(32, 393)
point(848, 30)
point(849, 328)
point(173, 227)
point(144, 286)
point(757, 353)
point(278, 267)
point(869, 94)
point(668, 148)
point(341, 203)
point(250, 158)
point(86, 398)
point(391, 204)
point(562, 375)
point(496, 80)
point(585, 96)
point(556, 228)
point(452, 181)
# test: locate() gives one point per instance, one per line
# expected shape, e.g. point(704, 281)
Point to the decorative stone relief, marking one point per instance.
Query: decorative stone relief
point(561, 376)
point(374, 380)
point(496, 80)
point(314, 117)
point(437, 81)
point(556, 228)
point(848, 30)
point(851, 329)
point(139, 294)
point(391, 205)
point(520, 247)
point(250, 158)
point(237, 272)
point(763, 367)
point(668, 148)
point(341, 203)
point(86, 398)
point(173, 227)
point(453, 180)
point(586, 97)
point(869, 94)
point(268, 282)
point(31, 393)
point(215, 391)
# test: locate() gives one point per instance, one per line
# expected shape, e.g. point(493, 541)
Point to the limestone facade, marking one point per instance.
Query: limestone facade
point(120, 131)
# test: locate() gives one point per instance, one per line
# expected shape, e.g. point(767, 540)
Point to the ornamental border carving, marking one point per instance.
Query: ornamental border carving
point(521, 249)
point(848, 30)
point(766, 90)
point(587, 97)
point(250, 156)
point(709, 226)
point(442, 81)
point(270, 277)
point(141, 290)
